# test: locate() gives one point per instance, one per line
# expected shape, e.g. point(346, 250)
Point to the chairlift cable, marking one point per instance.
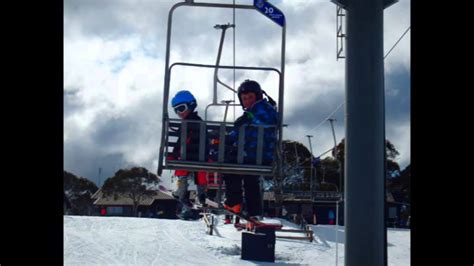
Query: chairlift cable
point(397, 42)
point(329, 116)
point(324, 120)
point(325, 152)
point(384, 58)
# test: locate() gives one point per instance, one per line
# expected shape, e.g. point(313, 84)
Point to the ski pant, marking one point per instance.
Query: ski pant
point(182, 191)
point(252, 195)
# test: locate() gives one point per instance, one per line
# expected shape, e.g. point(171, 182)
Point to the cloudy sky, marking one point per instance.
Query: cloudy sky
point(114, 58)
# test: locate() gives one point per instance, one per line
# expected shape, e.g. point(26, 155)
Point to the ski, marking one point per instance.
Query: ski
point(194, 209)
point(214, 207)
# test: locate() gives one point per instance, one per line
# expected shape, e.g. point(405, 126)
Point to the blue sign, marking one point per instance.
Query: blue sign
point(270, 11)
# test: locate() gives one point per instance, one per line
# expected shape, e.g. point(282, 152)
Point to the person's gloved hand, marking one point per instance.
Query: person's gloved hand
point(244, 119)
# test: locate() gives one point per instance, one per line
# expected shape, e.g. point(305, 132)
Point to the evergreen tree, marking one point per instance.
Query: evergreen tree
point(392, 167)
point(135, 183)
point(79, 190)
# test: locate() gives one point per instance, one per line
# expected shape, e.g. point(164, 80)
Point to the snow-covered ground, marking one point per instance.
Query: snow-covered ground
point(90, 240)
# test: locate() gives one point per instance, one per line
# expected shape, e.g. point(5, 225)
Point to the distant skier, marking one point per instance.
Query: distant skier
point(331, 217)
point(184, 105)
point(284, 212)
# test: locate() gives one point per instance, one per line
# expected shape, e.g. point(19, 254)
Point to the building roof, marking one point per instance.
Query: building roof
point(123, 200)
point(302, 196)
point(66, 201)
point(97, 194)
point(268, 195)
point(397, 196)
point(389, 197)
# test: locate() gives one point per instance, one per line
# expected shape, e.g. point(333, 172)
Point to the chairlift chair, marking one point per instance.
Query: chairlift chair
point(228, 159)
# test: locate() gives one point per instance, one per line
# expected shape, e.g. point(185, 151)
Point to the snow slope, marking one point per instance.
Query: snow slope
point(90, 240)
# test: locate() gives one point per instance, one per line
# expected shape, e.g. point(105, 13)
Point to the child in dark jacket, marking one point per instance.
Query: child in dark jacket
point(184, 105)
point(257, 111)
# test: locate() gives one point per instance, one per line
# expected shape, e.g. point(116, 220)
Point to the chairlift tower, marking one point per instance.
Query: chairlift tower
point(340, 35)
point(365, 235)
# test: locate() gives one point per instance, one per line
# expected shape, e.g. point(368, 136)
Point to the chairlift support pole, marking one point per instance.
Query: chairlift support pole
point(365, 235)
point(311, 168)
point(223, 27)
point(339, 163)
point(219, 190)
point(226, 108)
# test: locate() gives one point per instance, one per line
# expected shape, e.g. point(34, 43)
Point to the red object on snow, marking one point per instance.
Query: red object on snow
point(103, 212)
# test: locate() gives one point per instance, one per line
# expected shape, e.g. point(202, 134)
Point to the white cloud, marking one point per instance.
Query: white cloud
point(396, 20)
point(399, 135)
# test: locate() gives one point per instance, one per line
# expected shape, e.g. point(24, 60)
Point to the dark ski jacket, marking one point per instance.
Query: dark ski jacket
point(192, 139)
point(261, 113)
point(192, 148)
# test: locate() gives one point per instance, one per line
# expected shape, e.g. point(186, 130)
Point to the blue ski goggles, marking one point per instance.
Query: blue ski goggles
point(181, 108)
